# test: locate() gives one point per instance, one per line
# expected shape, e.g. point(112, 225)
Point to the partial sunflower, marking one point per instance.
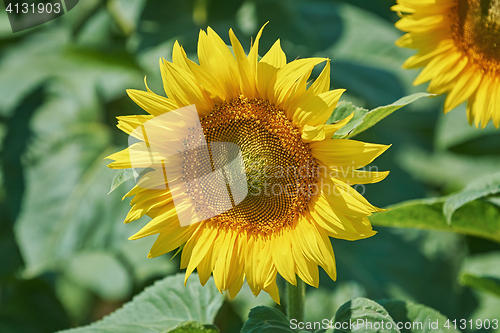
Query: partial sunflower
point(269, 110)
point(459, 46)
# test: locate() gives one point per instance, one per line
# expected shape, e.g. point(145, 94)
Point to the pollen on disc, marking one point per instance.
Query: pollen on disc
point(279, 167)
point(476, 31)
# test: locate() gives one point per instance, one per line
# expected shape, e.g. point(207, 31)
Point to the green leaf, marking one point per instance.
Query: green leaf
point(432, 256)
point(321, 303)
point(194, 327)
point(126, 13)
point(65, 207)
point(485, 283)
point(344, 110)
point(364, 119)
point(482, 272)
point(18, 59)
point(476, 218)
point(362, 315)
point(263, 319)
point(162, 307)
point(120, 177)
point(445, 169)
point(482, 187)
point(101, 273)
point(111, 74)
point(417, 318)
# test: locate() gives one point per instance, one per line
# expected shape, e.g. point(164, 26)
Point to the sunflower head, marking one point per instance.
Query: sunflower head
point(241, 151)
point(476, 30)
point(459, 46)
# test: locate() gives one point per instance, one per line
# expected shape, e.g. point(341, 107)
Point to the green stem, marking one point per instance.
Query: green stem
point(296, 296)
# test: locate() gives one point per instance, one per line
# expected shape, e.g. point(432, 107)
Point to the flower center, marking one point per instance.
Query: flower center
point(280, 170)
point(477, 31)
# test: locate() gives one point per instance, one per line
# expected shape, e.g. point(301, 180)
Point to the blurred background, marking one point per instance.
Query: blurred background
point(65, 258)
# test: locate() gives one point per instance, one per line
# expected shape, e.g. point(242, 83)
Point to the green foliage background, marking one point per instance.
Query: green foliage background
point(65, 257)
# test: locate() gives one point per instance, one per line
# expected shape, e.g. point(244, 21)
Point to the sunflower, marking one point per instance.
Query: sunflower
point(459, 46)
point(298, 178)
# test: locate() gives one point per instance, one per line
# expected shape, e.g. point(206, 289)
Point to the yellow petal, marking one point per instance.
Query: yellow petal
point(316, 110)
point(464, 87)
point(346, 153)
point(215, 57)
point(267, 70)
point(128, 124)
point(442, 83)
point(440, 65)
point(425, 24)
point(323, 132)
point(322, 83)
point(326, 248)
point(220, 269)
point(332, 220)
point(306, 270)
point(202, 244)
point(345, 198)
point(142, 158)
point(151, 103)
point(167, 242)
point(179, 57)
point(253, 55)
point(358, 176)
point(183, 88)
point(247, 80)
point(423, 57)
point(166, 221)
point(479, 102)
point(273, 291)
point(297, 71)
point(204, 269)
point(146, 201)
point(496, 115)
point(281, 248)
point(494, 104)
point(235, 288)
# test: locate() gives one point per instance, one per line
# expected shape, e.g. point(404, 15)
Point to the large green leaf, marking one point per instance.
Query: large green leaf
point(194, 327)
point(365, 315)
point(66, 209)
point(475, 218)
point(418, 258)
point(322, 302)
point(482, 187)
point(263, 319)
point(417, 318)
point(364, 119)
point(362, 315)
point(164, 306)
